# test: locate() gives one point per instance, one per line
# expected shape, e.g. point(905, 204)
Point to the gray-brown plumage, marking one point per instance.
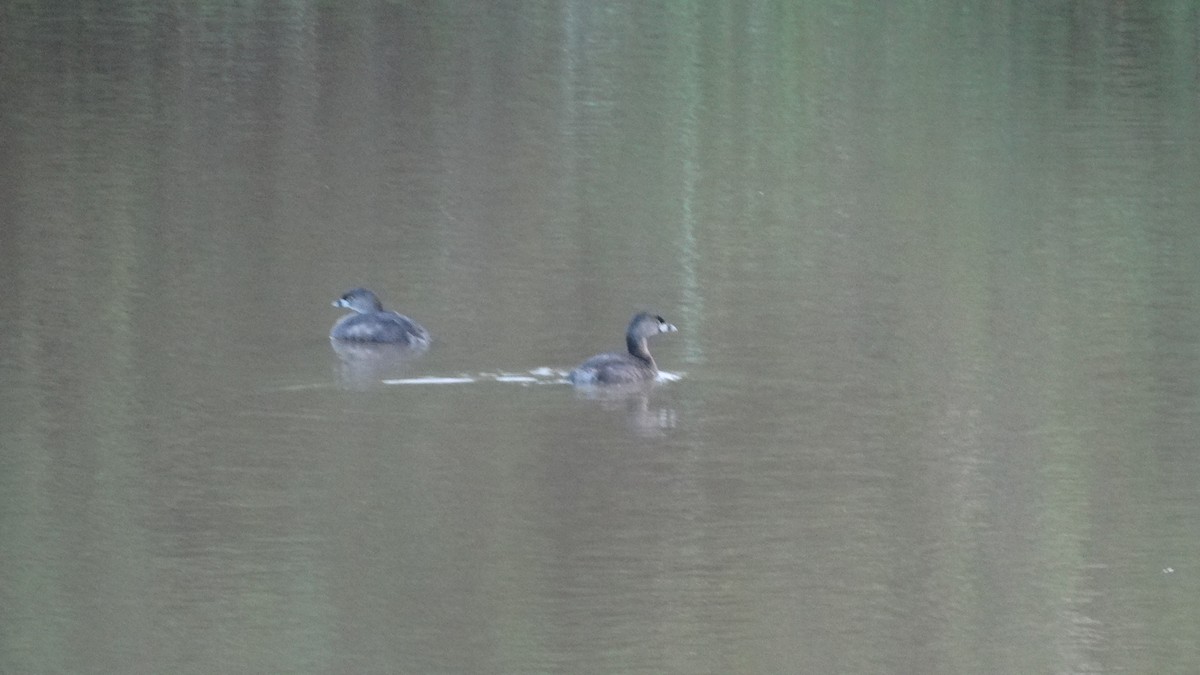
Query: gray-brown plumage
point(371, 323)
point(635, 366)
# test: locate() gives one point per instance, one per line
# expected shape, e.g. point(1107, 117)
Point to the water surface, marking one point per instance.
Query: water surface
point(934, 266)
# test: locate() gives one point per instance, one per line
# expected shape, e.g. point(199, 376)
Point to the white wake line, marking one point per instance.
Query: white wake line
point(431, 380)
point(536, 376)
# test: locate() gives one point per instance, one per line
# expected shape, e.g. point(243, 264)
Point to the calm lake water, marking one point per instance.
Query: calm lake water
point(936, 272)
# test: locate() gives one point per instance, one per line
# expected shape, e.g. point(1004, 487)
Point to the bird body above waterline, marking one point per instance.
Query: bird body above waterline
point(371, 323)
point(630, 367)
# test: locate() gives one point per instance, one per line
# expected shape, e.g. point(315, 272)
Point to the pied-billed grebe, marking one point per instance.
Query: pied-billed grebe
point(617, 368)
point(370, 323)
